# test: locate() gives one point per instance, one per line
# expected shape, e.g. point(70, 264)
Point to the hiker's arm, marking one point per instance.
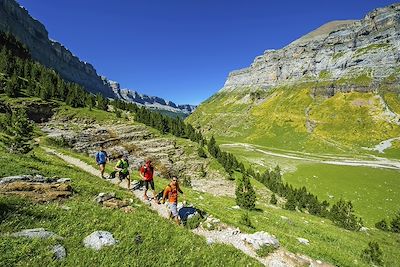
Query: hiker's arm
point(165, 194)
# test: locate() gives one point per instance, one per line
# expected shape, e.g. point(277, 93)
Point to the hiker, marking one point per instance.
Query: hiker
point(147, 172)
point(171, 193)
point(122, 168)
point(101, 160)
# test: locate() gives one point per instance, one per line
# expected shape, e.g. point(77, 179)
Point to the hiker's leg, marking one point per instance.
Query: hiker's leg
point(129, 181)
point(146, 183)
point(154, 191)
point(102, 167)
point(174, 211)
point(177, 220)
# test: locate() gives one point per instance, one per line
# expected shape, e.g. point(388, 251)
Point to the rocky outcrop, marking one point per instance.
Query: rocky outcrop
point(148, 101)
point(37, 188)
point(339, 49)
point(52, 54)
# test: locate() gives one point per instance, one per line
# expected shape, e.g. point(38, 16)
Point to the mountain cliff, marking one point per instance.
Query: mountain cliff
point(335, 87)
point(16, 20)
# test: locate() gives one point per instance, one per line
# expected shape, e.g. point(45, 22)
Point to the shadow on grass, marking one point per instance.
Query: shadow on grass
point(11, 206)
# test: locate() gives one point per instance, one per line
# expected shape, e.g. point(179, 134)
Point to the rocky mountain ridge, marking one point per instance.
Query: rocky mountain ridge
point(370, 46)
point(154, 102)
point(16, 20)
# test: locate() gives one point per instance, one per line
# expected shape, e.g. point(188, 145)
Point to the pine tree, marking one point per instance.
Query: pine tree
point(342, 214)
point(245, 195)
point(19, 132)
point(12, 88)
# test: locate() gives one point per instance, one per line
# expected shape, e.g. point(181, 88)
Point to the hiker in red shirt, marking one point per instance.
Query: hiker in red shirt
point(147, 172)
point(171, 193)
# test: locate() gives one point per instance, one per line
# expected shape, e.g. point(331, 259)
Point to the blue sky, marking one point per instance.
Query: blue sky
point(182, 50)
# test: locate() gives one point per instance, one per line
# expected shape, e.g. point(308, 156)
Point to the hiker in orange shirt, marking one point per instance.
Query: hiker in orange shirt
point(171, 193)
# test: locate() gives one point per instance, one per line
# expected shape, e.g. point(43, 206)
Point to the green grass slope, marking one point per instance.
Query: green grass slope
point(295, 118)
point(163, 244)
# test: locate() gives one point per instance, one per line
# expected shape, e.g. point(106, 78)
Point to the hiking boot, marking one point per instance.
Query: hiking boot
point(145, 197)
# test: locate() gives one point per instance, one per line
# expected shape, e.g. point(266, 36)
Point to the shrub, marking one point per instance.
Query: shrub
point(265, 250)
point(193, 222)
point(395, 223)
point(273, 200)
point(201, 152)
point(186, 181)
point(382, 225)
point(372, 254)
point(245, 220)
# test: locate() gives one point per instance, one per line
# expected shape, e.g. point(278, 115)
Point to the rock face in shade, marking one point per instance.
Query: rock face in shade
point(50, 53)
point(16, 20)
point(334, 50)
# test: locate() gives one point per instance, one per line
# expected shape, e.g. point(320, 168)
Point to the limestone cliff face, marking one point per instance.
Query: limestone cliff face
point(338, 49)
point(52, 54)
point(148, 101)
point(16, 20)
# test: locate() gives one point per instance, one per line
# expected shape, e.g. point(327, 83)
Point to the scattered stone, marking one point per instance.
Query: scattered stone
point(210, 241)
point(138, 239)
point(101, 197)
point(36, 233)
point(236, 207)
point(284, 218)
point(127, 209)
point(64, 180)
point(59, 252)
point(98, 239)
point(259, 239)
point(276, 263)
point(364, 229)
point(303, 241)
point(65, 207)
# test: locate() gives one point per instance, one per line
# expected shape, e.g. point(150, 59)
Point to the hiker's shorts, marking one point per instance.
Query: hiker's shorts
point(122, 175)
point(147, 183)
point(173, 208)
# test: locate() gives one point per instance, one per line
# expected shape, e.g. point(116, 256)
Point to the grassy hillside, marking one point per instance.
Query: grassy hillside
point(297, 118)
point(163, 242)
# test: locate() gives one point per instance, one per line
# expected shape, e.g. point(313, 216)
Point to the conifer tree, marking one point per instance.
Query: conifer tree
point(273, 200)
point(19, 132)
point(245, 195)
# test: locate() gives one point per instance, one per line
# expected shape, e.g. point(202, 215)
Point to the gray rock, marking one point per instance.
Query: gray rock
point(12, 179)
point(259, 239)
point(36, 233)
point(64, 180)
point(210, 241)
point(277, 263)
point(101, 197)
point(98, 239)
point(303, 241)
point(59, 252)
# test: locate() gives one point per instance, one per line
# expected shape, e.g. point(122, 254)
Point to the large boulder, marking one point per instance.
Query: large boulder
point(98, 239)
point(260, 239)
point(59, 252)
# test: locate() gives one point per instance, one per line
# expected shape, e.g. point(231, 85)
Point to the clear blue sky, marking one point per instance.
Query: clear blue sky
point(182, 50)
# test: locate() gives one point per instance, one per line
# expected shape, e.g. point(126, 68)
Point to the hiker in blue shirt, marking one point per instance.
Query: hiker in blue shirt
point(101, 160)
